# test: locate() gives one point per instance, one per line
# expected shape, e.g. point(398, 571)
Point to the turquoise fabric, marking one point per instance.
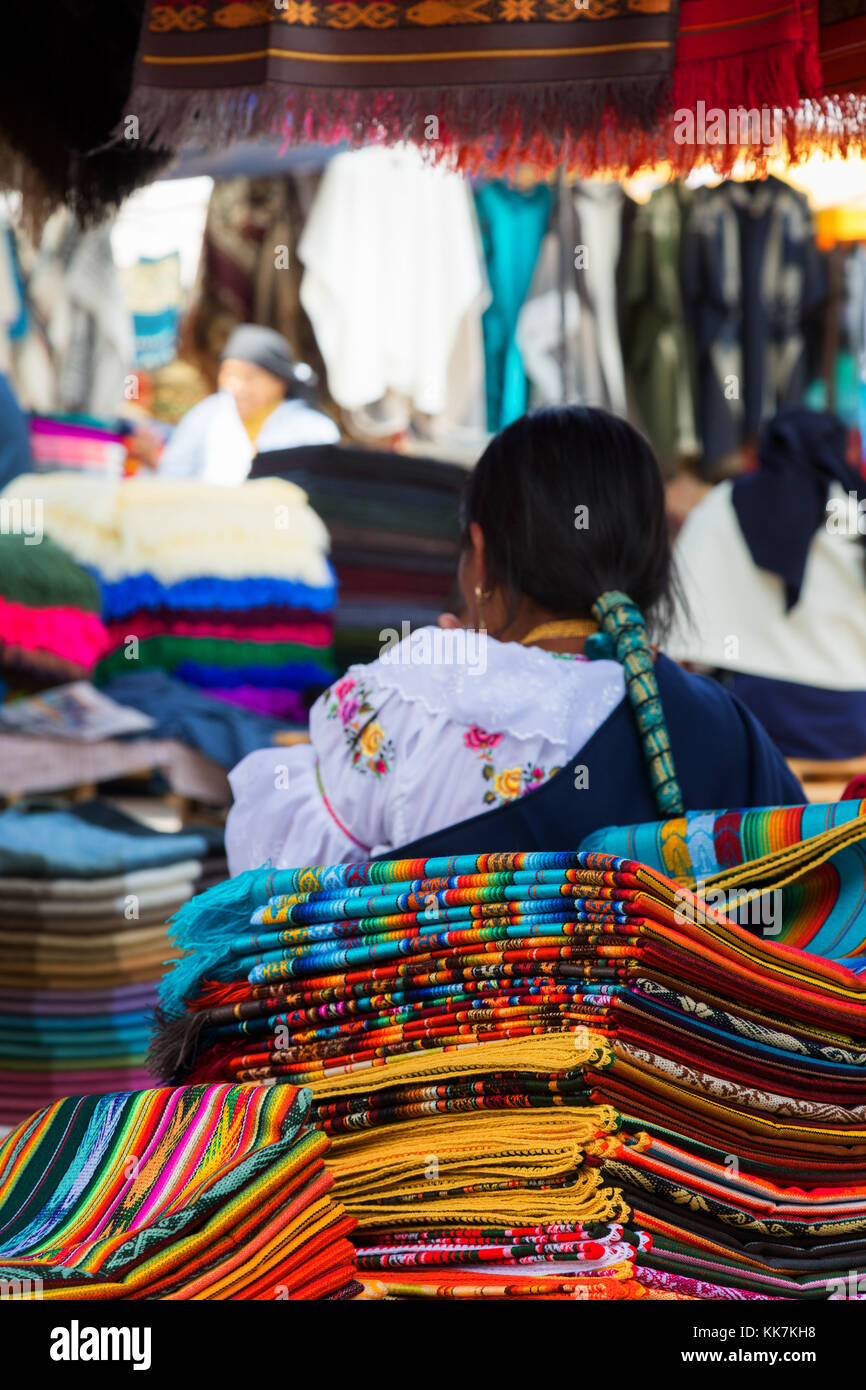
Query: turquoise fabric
point(513, 225)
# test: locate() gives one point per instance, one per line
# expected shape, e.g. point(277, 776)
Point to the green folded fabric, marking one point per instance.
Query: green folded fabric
point(43, 575)
point(168, 651)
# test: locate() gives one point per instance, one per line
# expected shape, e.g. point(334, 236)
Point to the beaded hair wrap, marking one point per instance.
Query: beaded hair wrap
point(622, 637)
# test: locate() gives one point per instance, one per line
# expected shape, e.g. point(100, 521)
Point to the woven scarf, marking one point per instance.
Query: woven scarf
point(814, 857)
point(204, 1192)
point(743, 56)
point(444, 74)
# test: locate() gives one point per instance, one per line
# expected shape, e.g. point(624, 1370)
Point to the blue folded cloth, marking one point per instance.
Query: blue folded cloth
point(90, 840)
point(222, 731)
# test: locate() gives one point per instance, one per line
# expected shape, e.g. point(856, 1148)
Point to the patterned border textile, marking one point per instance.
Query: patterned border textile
point(523, 74)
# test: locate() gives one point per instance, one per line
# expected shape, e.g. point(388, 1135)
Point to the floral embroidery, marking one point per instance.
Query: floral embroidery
point(477, 738)
point(509, 782)
point(512, 782)
point(370, 750)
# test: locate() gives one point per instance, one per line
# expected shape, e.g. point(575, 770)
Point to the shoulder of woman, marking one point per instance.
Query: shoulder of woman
point(473, 680)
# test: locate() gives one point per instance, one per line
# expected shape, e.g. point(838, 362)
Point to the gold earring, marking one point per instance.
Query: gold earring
point(480, 596)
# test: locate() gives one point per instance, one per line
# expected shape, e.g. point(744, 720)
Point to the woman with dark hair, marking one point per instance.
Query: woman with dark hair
point(549, 714)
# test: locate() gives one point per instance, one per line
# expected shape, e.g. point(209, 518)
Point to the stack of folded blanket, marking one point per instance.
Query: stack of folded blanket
point(204, 1192)
point(229, 589)
point(394, 528)
point(85, 892)
point(543, 1044)
point(50, 625)
point(77, 443)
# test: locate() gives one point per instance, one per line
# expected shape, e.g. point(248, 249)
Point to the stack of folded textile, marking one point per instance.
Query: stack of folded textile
point(229, 589)
point(792, 873)
point(394, 527)
point(684, 1053)
point(205, 1192)
point(465, 1181)
point(50, 628)
point(85, 892)
point(77, 443)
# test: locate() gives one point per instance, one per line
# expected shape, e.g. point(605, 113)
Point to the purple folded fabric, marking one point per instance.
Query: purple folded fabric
point(280, 704)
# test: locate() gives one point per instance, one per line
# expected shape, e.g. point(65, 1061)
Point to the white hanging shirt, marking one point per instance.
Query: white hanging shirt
point(443, 726)
point(393, 270)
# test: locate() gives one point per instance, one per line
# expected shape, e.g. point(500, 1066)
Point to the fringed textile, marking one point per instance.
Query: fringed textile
point(535, 1069)
point(497, 79)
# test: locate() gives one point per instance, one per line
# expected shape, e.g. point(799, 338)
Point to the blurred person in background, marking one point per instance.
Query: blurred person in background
point(773, 564)
point(253, 411)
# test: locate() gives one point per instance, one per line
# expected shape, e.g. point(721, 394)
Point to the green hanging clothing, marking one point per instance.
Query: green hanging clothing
point(513, 225)
point(656, 348)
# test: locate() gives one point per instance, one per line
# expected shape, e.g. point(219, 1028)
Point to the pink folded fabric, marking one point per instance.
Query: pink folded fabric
point(144, 625)
point(78, 637)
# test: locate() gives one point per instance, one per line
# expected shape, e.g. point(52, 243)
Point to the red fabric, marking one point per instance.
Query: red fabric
point(733, 53)
point(843, 52)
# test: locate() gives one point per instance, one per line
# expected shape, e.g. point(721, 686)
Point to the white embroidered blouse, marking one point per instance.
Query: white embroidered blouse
point(443, 726)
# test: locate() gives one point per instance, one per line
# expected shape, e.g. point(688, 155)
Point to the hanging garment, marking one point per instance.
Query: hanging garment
point(75, 292)
point(512, 228)
point(512, 79)
point(13, 307)
point(656, 346)
point(249, 271)
point(752, 278)
point(391, 275)
point(152, 290)
point(567, 334)
point(212, 445)
point(14, 436)
point(854, 320)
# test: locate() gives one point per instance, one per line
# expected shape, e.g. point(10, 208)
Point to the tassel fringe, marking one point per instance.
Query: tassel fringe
point(175, 1044)
point(605, 128)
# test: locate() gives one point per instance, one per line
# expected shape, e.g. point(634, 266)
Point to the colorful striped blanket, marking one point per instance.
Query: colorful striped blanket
point(812, 857)
point(209, 1192)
